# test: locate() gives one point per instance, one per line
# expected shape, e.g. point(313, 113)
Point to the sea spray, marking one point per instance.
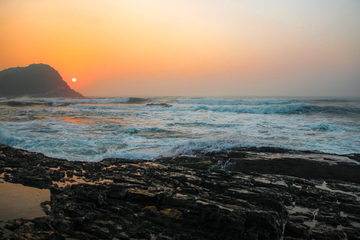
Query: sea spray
point(125, 127)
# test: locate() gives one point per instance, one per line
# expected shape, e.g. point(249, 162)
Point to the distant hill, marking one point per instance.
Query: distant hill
point(35, 80)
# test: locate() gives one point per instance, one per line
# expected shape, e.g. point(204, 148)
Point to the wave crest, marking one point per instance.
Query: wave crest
point(235, 102)
point(280, 109)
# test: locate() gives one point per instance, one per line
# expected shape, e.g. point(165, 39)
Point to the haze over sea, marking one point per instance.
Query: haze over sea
point(96, 128)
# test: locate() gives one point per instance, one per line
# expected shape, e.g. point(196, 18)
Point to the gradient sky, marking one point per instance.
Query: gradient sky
point(189, 47)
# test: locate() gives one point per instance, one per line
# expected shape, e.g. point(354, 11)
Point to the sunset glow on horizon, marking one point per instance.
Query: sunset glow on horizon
point(197, 48)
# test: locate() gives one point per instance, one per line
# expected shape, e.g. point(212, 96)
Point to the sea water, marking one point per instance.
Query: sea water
point(92, 129)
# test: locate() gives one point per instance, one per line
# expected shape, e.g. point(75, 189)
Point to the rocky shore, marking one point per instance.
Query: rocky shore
point(246, 193)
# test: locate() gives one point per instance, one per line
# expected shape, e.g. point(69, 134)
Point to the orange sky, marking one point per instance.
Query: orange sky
point(161, 47)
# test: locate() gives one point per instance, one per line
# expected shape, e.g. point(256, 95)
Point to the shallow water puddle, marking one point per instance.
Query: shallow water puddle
point(18, 201)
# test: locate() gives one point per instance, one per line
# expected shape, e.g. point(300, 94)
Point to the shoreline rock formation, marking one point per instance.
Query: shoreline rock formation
point(224, 195)
point(35, 80)
point(159, 105)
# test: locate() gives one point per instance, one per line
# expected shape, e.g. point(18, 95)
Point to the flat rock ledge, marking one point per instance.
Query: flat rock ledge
point(241, 194)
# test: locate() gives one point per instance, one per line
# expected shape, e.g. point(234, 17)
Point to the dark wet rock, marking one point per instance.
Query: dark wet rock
point(207, 196)
point(324, 233)
point(356, 157)
point(350, 208)
point(38, 228)
point(352, 233)
point(265, 224)
point(159, 104)
point(297, 230)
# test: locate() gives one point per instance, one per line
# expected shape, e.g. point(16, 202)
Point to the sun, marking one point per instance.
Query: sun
point(74, 79)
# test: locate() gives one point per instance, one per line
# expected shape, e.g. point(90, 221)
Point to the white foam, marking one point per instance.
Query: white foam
point(92, 129)
point(322, 126)
point(235, 101)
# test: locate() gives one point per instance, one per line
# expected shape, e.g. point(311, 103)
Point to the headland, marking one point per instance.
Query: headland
point(35, 80)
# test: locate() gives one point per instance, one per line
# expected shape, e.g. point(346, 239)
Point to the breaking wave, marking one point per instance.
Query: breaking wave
point(22, 104)
point(280, 109)
point(135, 100)
point(94, 128)
point(100, 100)
point(235, 102)
point(61, 101)
point(322, 127)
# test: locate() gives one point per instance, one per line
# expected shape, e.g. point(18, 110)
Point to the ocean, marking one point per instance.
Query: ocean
point(92, 129)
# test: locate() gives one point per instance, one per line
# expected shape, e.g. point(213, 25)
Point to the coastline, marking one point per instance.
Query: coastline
point(246, 193)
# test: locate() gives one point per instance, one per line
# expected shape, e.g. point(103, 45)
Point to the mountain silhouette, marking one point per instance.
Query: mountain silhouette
point(35, 80)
